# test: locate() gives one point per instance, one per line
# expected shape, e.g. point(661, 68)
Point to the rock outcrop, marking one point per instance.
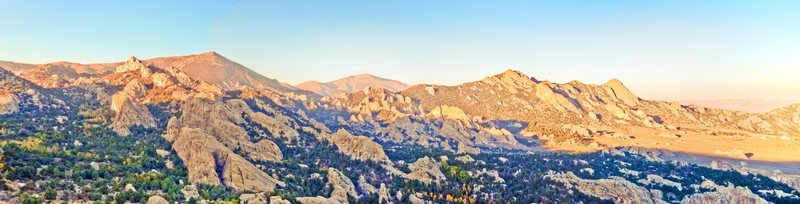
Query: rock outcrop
point(426, 170)
point(449, 112)
point(217, 119)
point(358, 147)
point(203, 156)
point(384, 195)
point(725, 195)
point(618, 190)
point(9, 103)
point(205, 135)
point(129, 112)
point(248, 198)
point(545, 92)
point(615, 88)
point(133, 64)
point(342, 187)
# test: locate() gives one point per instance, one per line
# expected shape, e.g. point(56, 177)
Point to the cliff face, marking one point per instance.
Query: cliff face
point(203, 155)
point(205, 135)
point(129, 113)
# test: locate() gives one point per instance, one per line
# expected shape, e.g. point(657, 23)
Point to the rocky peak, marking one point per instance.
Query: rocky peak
point(511, 79)
point(211, 54)
point(615, 88)
point(131, 65)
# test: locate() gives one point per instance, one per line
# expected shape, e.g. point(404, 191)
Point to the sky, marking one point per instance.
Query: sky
point(667, 50)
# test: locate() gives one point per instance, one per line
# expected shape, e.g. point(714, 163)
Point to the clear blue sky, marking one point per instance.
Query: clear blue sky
point(661, 49)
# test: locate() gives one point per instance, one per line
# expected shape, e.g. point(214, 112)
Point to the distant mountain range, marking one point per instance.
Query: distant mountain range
point(351, 84)
point(752, 105)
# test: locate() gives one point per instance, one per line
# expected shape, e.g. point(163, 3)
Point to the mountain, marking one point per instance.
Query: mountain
point(16, 67)
point(150, 130)
point(209, 67)
point(753, 106)
point(351, 84)
point(578, 116)
point(213, 68)
point(20, 68)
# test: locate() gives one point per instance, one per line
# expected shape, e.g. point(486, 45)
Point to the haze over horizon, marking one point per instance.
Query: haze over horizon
point(662, 50)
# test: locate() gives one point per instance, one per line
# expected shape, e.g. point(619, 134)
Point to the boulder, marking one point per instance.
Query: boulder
point(266, 150)
point(190, 191)
point(129, 187)
point(9, 103)
point(157, 200)
point(249, 198)
point(337, 178)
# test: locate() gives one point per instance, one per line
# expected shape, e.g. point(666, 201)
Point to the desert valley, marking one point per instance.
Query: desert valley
point(204, 129)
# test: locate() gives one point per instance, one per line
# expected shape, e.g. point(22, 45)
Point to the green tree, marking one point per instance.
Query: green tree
point(28, 199)
point(50, 194)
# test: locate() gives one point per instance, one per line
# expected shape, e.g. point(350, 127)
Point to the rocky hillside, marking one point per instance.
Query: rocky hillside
point(20, 95)
point(351, 84)
point(609, 115)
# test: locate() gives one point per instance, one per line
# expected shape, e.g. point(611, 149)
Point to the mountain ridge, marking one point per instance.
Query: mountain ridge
point(210, 67)
point(351, 84)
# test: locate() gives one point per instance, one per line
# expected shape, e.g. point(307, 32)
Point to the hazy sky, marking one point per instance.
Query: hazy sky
point(660, 49)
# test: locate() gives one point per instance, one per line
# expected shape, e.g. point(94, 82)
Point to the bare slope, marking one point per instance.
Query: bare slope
point(351, 84)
